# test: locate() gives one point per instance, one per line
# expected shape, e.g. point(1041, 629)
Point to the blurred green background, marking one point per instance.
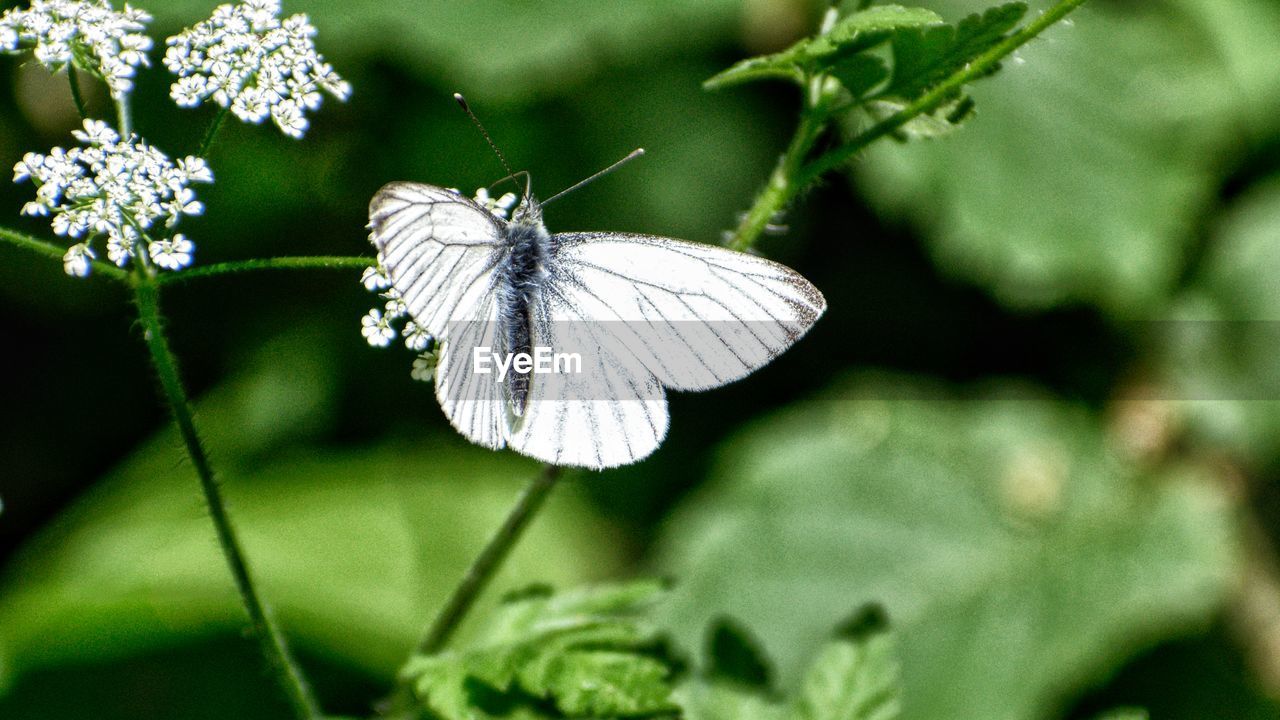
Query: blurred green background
point(1039, 421)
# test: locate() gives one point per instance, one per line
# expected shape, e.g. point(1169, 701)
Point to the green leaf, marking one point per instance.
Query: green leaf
point(860, 73)
point(734, 656)
point(588, 653)
point(721, 701)
point(853, 34)
point(603, 683)
point(1018, 552)
point(1077, 184)
point(924, 57)
point(853, 678)
point(940, 122)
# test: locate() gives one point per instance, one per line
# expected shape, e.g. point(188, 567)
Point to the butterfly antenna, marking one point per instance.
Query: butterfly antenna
point(632, 156)
point(462, 102)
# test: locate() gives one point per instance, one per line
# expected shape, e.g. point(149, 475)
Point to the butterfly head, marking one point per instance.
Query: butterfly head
point(528, 212)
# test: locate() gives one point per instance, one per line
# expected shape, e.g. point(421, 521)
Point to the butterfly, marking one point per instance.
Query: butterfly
point(648, 314)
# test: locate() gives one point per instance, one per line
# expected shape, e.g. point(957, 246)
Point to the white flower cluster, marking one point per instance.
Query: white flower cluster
point(120, 188)
point(248, 60)
point(378, 325)
point(89, 32)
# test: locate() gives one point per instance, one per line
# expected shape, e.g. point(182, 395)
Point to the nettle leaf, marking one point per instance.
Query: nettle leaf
point(1019, 551)
point(924, 57)
point(852, 34)
point(1078, 185)
point(853, 676)
point(586, 654)
point(926, 125)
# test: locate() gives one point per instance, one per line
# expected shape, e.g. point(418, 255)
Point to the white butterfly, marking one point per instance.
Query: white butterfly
point(647, 313)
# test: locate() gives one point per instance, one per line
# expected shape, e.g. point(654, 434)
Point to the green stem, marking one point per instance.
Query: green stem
point(937, 97)
point(125, 117)
point(262, 625)
point(334, 262)
point(781, 185)
point(489, 561)
point(76, 97)
point(50, 250)
point(212, 132)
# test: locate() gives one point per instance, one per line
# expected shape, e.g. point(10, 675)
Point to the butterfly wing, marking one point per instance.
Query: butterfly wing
point(646, 313)
point(613, 412)
point(698, 316)
point(438, 247)
point(440, 250)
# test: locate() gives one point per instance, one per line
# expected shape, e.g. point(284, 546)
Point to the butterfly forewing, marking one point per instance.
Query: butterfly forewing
point(440, 251)
point(697, 316)
point(437, 247)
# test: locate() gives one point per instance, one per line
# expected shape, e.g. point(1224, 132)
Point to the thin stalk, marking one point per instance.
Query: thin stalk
point(56, 252)
point(488, 561)
point(212, 132)
point(262, 624)
point(125, 117)
point(332, 262)
point(780, 188)
point(76, 97)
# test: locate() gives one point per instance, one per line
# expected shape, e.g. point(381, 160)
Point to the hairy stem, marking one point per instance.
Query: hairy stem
point(332, 262)
point(50, 250)
point(76, 97)
point(488, 561)
point(780, 188)
point(262, 625)
point(125, 117)
point(792, 174)
point(212, 132)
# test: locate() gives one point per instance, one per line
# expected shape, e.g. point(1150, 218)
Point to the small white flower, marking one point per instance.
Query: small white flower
point(246, 59)
point(96, 132)
point(416, 338)
point(424, 367)
point(113, 187)
point(395, 307)
point(500, 207)
point(374, 279)
point(120, 251)
point(195, 169)
point(171, 254)
point(184, 203)
point(88, 32)
point(188, 91)
point(376, 329)
point(76, 261)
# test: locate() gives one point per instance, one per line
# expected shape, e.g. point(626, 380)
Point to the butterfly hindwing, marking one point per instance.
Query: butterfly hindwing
point(613, 412)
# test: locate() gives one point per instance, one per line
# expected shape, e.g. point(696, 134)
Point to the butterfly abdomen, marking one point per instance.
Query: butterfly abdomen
point(521, 277)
